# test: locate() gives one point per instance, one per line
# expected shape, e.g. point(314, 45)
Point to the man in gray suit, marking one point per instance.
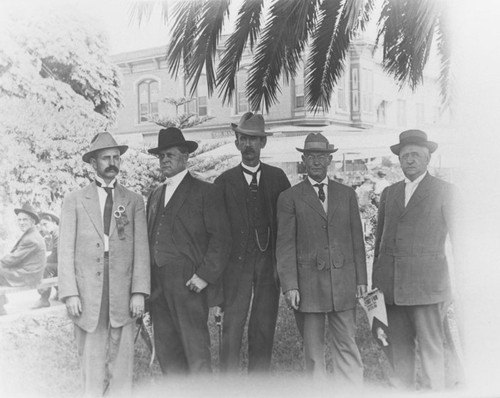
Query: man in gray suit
point(321, 261)
point(103, 269)
point(410, 266)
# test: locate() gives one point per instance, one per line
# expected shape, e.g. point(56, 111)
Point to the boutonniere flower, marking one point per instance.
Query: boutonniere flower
point(121, 220)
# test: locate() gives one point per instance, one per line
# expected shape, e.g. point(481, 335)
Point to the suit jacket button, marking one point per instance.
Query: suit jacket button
point(98, 245)
point(99, 273)
point(99, 260)
point(240, 258)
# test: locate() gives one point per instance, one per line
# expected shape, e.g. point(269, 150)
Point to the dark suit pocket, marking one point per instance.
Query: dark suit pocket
point(338, 260)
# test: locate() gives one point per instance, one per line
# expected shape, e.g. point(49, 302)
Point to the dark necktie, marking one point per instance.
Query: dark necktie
point(108, 207)
point(321, 193)
point(253, 184)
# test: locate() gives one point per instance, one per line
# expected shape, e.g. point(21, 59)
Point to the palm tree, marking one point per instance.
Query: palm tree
point(280, 35)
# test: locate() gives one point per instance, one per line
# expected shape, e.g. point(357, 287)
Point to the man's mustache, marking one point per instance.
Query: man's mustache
point(111, 168)
point(248, 150)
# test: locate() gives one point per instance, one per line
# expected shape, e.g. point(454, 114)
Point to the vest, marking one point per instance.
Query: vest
point(257, 220)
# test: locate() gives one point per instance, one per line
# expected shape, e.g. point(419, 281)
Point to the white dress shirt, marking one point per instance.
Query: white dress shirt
point(411, 186)
point(102, 202)
point(172, 183)
point(248, 177)
point(325, 189)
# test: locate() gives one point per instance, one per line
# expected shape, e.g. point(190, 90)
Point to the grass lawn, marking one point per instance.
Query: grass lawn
point(39, 355)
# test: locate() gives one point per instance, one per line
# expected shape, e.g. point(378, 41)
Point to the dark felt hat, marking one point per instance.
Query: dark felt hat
point(251, 124)
point(46, 214)
point(29, 210)
point(317, 142)
point(413, 137)
point(172, 136)
point(102, 141)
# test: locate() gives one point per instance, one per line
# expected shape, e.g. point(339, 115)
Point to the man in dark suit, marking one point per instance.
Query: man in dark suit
point(26, 261)
point(410, 266)
point(251, 191)
point(189, 241)
point(321, 262)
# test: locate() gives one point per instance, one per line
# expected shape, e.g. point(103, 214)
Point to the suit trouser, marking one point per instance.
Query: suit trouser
point(257, 280)
point(347, 364)
point(423, 325)
point(106, 354)
point(180, 317)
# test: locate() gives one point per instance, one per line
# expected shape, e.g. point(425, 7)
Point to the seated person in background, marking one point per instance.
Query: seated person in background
point(25, 263)
point(49, 228)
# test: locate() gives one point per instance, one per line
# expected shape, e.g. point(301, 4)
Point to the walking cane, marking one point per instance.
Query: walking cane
point(218, 323)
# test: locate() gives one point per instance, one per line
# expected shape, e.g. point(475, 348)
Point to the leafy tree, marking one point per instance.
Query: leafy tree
point(58, 87)
point(279, 36)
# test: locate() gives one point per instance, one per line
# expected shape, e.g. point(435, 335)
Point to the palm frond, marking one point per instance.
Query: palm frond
point(443, 45)
point(279, 49)
point(179, 52)
point(246, 30)
point(208, 32)
point(141, 11)
point(407, 29)
point(339, 22)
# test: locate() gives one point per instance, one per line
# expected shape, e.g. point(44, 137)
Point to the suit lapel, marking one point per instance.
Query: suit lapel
point(238, 188)
point(399, 196)
point(30, 230)
point(90, 202)
point(310, 197)
point(420, 193)
point(333, 201)
point(180, 194)
point(266, 189)
point(120, 199)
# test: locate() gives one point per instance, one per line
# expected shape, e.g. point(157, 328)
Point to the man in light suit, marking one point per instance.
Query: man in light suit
point(321, 262)
point(26, 261)
point(103, 268)
point(250, 280)
point(410, 266)
point(190, 241)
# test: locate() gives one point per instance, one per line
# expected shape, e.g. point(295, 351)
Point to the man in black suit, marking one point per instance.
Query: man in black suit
point(189, 245)
point(251, 191)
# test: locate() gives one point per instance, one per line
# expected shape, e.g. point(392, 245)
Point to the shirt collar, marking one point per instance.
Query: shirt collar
point(313, 182)
point(103, 183)
point(176, 179)
point(416, 181)
point(251, 169)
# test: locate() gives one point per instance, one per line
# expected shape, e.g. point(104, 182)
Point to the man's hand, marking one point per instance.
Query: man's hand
point(292, 298)
point(137, 304)
point(74, 305)
point(360, 291)
point(196, 284)
point(218, 311)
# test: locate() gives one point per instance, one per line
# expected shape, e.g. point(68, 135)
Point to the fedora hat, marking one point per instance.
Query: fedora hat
point(46, 214)
point(251, 124)
point(102, 141)
point(413, 137)
point(29, 210)
point(172, 136)
point(317, 142)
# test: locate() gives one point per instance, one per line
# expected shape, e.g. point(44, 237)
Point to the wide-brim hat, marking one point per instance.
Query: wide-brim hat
point(170, 137)
point(46, 214)
point(317, 142)
point(29, 210)
point(251, 124)
point(102, 141)
point(413, 137)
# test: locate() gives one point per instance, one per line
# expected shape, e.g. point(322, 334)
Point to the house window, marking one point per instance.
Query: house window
point(299, 87)
point(341, 100)
point(381, 109)
point(199, 104)
point(241, 97)
point(420, 114)
point(401, 112)
point(149, 93)
point(367, 90)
